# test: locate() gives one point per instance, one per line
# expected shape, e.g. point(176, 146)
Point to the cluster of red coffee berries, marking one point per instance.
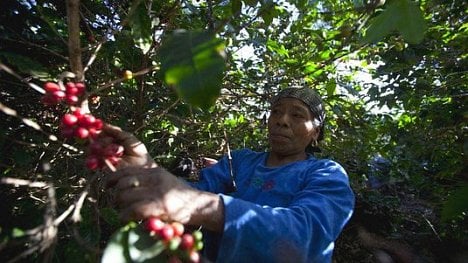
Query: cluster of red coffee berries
point(103, 151)
point(78, 124)
point(70, 93)
point(180, 245)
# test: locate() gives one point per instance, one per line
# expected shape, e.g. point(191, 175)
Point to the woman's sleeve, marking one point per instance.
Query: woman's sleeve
point(304, 231)
point(214, 178)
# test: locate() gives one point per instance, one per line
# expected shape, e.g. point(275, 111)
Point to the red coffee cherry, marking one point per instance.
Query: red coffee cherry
point(51, 87)
point(154, 224)
point(94, 133)
point(178, 228)
point(79, 113)
point(71, 89)
point(71, 99)
point(98, 124)
point(58, 95)
point(194, 257)
point(114, 149)
point(69, 120)
point(167, 232)
point(81, 133)
point(92, 162)
point(187, 241)
point(81, 88)
point(87, 121)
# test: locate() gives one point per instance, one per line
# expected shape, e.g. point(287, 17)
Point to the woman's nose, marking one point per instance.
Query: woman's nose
point(283, 120)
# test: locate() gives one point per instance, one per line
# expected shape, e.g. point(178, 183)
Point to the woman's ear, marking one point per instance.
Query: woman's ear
point(315, 135)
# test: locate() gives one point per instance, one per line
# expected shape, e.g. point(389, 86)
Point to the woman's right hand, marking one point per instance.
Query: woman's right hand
point(135, 152)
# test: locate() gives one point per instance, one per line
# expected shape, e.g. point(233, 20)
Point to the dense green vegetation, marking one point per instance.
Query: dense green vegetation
point(393, 75)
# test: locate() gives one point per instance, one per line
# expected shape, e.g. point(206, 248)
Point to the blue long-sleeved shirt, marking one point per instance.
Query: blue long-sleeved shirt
point(290, 213)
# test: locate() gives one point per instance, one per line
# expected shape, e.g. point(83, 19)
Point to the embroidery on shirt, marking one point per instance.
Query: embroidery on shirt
point(268, 185)
point(259, 183)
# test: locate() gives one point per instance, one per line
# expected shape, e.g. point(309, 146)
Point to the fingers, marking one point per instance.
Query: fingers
point(131, 196)
point(142, 210)
point(141, 193)
point(117, 133)
point(207, 162)
point(128, 140)
point(129, 176)
point(135, 181)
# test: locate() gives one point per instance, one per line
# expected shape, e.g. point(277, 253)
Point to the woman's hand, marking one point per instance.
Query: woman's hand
point(135, 152)
point(145, 192)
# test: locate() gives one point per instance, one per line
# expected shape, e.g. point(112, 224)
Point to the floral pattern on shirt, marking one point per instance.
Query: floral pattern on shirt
point(259, 183)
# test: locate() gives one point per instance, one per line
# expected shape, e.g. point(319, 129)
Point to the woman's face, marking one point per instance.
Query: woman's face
point(291, 127)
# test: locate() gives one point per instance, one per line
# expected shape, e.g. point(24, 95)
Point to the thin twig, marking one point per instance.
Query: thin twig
point(11, 112)
point(21, 182)
point(11, 72)
point(76, 217)
point(38, 46)
point(44, 236)
point(113, 82)
point(432, 227)
point(93, 56)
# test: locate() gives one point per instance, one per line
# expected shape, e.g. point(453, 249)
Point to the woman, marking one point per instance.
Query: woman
point(286, 206)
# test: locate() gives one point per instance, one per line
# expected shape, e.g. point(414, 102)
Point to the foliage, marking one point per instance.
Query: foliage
point(392, 74)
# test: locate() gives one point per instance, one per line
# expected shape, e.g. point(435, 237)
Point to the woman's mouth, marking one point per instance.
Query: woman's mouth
point(278, 137)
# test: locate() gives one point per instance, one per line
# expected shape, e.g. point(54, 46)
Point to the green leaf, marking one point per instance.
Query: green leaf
point(110, 216)
point(116, 250)
point(383, 24)
point(132, 243)
point(403, 16)
point(456, 205)
point(412, 25)
point(16, 232)
point(193, 62)
point(25, 64)
point(331, 88)
point(277, 48)
point(140, 24)
point(142, 247)
point(236, 7)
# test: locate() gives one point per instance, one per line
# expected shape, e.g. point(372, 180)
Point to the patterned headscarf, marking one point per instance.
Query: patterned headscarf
point(310, 98)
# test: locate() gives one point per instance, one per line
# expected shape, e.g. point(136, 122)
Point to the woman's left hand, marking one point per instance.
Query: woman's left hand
point(143, 192)
point(146, 192)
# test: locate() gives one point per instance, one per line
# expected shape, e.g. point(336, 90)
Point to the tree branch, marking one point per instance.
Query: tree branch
point(74, 49)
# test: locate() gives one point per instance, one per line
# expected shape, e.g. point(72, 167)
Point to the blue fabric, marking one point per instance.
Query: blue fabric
point(290, 213)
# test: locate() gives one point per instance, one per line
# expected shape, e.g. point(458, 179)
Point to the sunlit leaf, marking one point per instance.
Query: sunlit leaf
point(412, 25)
point(193, 62)
point(140, 24)
point(403, 16)
point(116, 250)
point(16, 232)
point(132, 243)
